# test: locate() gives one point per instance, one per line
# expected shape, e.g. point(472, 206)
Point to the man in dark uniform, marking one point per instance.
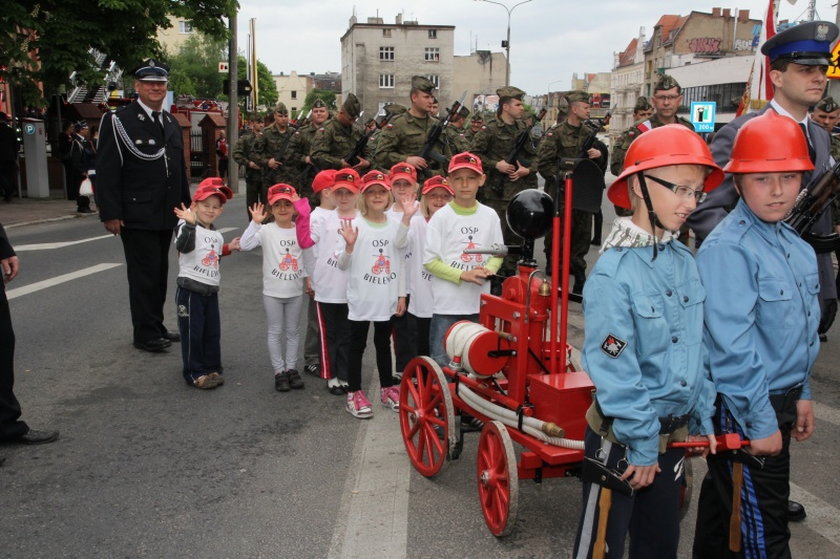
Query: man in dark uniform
point(140, 178)
point(274, 144)
point(8, 158)
point(335, 139)
point(245, 154)
point(403, 138)
point(301, 146)
point(566, 140)
point(80, 150)
point(667, 97)
point(493, 143)
point(12, 429)
point(799, 57)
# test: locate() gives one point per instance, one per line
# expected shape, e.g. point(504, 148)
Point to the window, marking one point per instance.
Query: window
point(294, 94)
point(386, 80)
point(435, 79)
point(381, 110)
point(185, 27)
point(432, 54)
point(294, 110)
point(386, 32)
point(432, 33)
point(386, 53)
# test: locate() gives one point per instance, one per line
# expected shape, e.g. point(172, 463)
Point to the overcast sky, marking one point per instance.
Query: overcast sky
point(550, 39)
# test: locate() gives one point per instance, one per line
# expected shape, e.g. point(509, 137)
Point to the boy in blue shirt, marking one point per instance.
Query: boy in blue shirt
point(761, 317)
point(643, 307)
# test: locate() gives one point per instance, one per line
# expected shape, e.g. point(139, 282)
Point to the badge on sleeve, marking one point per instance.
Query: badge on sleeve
point(613, 346)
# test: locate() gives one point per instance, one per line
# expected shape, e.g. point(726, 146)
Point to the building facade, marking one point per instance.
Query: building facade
point(292, 90)
point(479, 74)
point(378, 60)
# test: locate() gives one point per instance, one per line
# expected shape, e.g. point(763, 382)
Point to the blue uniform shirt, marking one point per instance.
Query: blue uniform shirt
point(643, 344)
point(762, 314)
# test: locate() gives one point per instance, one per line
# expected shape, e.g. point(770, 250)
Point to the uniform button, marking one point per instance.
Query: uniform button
point(809, 313)
point(787, 255)
point(618, 249)
point(685, 298)
point(749, 424)
point(742, 222)
point(683, 383)
point(781, 292)
point(674, 340)
point(669, 293)
point(811, 344)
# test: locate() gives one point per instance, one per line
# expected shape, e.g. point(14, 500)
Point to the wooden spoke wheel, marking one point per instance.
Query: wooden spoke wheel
point(498, 480)
point(426, 416)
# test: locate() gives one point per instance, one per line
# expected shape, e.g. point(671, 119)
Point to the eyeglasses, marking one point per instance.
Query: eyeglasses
point(666, 97)
point(679, 189)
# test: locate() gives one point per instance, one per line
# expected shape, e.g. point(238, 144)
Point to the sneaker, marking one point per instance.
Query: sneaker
point(294, 379)
point(281, 382)
point(205, 382)
point(220, 380)
point(313, 369)
point(358, 405)
point(390, 397)
point(335, 388)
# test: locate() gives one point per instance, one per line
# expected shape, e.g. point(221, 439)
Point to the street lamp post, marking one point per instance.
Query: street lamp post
point(507, 42)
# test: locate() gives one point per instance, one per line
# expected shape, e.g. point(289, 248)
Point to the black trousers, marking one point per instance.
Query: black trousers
point(10, 425)
point(405, 338)
point(764, 498)
point(8, 188)
point(382, 344)
point(335, 329)
point(147, 267)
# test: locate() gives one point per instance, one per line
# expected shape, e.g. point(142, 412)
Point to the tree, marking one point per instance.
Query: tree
point(194, 70)
point(325, 95)
point(47, 40)
point(265, 81)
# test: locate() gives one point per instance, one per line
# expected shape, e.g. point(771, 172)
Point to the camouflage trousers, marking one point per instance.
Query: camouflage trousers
point(581, 237)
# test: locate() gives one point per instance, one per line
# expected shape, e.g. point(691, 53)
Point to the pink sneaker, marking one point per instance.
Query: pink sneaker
point(390, 397)
point(358, 405)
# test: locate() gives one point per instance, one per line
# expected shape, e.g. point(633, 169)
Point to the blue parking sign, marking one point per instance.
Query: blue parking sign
point(703, 115)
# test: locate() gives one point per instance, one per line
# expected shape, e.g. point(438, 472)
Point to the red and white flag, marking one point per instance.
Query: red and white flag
point(759, 90)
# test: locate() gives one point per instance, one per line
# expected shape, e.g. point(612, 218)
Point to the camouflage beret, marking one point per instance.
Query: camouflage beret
point(422, 83)
point(318, 104)
point(827, 104)
point(463, 112)
point(280, 108)
point(577, 96)
point(642, 104)
point(394, 109)
point(351, 106)
point(509, 92)
point(666, 82)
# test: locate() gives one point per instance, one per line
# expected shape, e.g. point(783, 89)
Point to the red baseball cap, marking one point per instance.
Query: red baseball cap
point(349, 179)
point(324, 179)
point(375, 177)
point(465, 160)
point(212, 186)
point(281, 191)
point(437, 181)
point(403, 171)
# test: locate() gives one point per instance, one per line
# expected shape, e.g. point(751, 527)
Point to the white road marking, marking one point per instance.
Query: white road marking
point(62, 244)
point(826, 413)
point(823, 518)
point(374, 508)
point(45, 284)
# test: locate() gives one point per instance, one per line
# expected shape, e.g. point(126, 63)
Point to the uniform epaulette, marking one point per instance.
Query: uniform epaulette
point(610, 260)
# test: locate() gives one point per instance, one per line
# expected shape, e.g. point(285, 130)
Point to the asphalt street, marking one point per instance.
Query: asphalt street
point(149, 467)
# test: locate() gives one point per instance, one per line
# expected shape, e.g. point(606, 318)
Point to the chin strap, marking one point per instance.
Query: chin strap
point(654, 221)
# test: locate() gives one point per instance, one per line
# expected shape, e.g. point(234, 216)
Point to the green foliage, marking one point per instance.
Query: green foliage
point(63, 32)
point(267, 92)
point(324, 95)
point(194, 70)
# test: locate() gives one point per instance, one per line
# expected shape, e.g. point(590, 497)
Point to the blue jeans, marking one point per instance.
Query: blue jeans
point(200, 326)
point(437, 329)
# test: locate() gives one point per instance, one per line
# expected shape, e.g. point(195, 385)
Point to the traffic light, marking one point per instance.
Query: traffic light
point(243, 87)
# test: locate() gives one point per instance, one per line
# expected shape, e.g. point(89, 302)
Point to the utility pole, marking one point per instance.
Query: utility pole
point(233, 101)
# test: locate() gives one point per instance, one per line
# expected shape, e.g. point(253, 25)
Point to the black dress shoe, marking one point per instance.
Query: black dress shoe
point(796, 511)
point(171, 336)
point(154, 346)
point(34, 437)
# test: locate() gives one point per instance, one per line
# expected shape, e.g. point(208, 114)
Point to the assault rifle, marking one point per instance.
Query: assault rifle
point(497, 186)
point(352, 158)
point(810, 204)
point(428, 152)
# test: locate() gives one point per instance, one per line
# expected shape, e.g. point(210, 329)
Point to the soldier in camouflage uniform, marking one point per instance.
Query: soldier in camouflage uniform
point(391, 110)
point(566, 140)
point(827, 114)
point(300, 147)
point(667, 96)
point(245, 154)
point(337, 138)
point(270, 144)
point(476, 122)
point(642, 110)
point(454, 132)
point(493, 143)
point(403, 139)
